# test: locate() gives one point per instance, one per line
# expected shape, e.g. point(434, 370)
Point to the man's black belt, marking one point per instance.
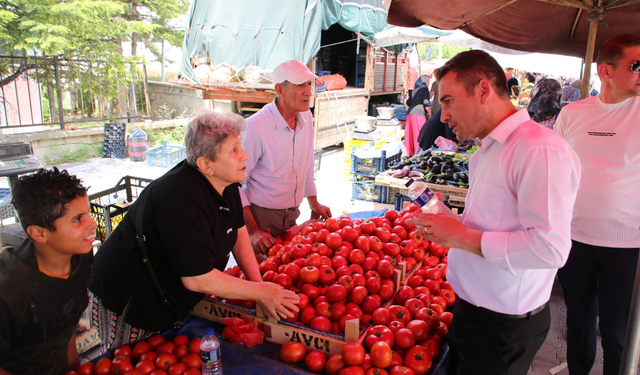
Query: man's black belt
point(486, 312)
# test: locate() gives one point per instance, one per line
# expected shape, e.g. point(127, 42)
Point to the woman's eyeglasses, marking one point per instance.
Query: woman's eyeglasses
point(635, 66)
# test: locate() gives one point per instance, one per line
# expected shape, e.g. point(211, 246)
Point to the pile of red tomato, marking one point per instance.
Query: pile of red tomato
point(342, 270)
point(155, 356)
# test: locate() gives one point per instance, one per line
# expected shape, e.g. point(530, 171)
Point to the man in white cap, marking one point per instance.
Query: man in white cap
point(279, 142)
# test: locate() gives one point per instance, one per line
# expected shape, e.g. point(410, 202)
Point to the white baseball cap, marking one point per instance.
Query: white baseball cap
point(293, 71)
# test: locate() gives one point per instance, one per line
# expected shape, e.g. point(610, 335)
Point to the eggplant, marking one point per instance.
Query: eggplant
point(435, 169)
point(418, 170)
point(398, 165)
point(402, 172)
point(416, 174)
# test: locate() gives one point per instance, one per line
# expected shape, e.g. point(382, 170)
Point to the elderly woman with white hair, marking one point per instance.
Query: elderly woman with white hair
point(172, 246)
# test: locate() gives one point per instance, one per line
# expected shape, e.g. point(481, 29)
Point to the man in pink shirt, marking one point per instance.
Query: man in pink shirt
point(516, 228)
point(279, 142)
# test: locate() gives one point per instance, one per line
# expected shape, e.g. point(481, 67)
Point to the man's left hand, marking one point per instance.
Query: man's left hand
point(447, 231)
point(320, 211)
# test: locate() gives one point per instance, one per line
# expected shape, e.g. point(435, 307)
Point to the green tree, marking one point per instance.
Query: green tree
point(448, 51)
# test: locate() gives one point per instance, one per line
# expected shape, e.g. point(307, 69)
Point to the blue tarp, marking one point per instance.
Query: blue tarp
point(267, 32)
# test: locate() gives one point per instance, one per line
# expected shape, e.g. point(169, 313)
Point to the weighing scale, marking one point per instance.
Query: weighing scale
point(366, 135)
point(16, 159)
point(387, 122)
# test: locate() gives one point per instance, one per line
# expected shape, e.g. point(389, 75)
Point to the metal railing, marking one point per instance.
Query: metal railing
point(37, 91)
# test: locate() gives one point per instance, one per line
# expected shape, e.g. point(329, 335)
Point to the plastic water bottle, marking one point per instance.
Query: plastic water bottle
point(210, 353)
point(421, 195)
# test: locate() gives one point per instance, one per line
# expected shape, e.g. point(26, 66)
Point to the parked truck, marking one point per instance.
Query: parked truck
point(229, 53)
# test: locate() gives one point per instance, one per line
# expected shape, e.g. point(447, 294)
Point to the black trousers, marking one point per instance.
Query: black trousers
point(597, 281)
point(483, 345)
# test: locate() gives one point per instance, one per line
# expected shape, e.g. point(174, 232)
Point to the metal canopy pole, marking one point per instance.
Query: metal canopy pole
point(630, 351)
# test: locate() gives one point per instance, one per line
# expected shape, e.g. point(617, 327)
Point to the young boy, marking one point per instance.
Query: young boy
point(43, 283)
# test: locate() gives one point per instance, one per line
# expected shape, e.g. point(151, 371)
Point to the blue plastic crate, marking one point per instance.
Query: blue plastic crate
point(166, 155)
point(324, 73)
point(369, 192)
point(401, 114)
point(321, 88)
point(373, 166)
point(359, 82)
point(399, 200)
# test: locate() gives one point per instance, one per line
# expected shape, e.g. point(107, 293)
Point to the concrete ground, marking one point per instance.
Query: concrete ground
point(336, 192)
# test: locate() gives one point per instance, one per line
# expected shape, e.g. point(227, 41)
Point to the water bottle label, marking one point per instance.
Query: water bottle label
point(210, 357)
point(425, 197)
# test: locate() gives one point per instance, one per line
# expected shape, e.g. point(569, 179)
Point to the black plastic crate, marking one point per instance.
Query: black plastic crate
point(369, 192)
point(373, 166)
point(108, 207)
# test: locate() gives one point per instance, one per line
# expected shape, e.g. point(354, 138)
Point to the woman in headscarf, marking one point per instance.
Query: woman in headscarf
point(418, 113)
point(546, 100)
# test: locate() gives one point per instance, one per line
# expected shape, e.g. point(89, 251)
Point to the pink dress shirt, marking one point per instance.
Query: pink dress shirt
point(524, 180)
point(280, 165)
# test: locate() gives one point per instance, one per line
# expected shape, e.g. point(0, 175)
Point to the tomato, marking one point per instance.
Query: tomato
point(320, 323)
point(332, 224)
point(145, 367)
point(309, 274)
point(381, 354)
point(386, 292)
point(124, 350)
point(165, 360)
point(379, 333)
point(357, 294)
point(138, 349)
point(346, 281)
point(368, 227)
point(349, 234)
point(413, 305)
point(420, 329)
point(70, 373)
point(356, 256)
point(375, 244)
point(315, 361)
point(284, 280)
point(181, 340)
point(373, 285)
point(381, 316)
point(180, 351)
point(352, 370)
point(415, 281)
point(292, 352)
point(437, 250)
point(442, 330)
point(391, 249)
point(446, 318)
point(430, 261)
point(338, 310)
point(405, 338)
point(433, 285)
point(448, 296)
point(385, 269)
point(323, 309)
point(418, 359)
point(194, 346)
point(432, 347)
point(396, 359)
point(333, 240)
point(401, 370)
point(192, 371)
point(121, 368)
point(165, 347)
point(371, 303)
point(327, 275)
point(154, 341)
point(439, 300)
point(177, 369)
point(191, 360)
point(376, 371)
point(335, 364)
point(400, 314)
point(395, 325)
point(437, 308)
point(362, 243)
point(121, 358)
point(336, 293)
point(429, 316)
point(352, 354)
point(149, 356)
point(158, 372)
point(86, 368)
point(399, 231)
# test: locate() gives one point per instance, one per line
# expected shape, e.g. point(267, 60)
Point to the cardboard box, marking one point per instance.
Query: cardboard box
point(214, 309)
point(87, 340)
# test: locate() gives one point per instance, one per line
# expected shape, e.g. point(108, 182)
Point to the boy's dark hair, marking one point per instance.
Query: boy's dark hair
point(40, 198)
point(471, 67)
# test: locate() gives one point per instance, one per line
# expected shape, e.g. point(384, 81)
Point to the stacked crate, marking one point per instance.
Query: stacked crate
point(364, 170)
point(359, 144)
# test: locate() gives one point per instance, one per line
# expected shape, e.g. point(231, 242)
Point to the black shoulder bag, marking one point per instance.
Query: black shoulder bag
point(142, 245)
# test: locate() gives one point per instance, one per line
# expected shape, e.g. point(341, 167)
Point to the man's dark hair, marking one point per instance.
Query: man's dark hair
point(472, 66)
point(40, 198)
point(612, 51)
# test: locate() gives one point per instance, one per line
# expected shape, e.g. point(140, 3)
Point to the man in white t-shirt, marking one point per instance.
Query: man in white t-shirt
point(598, 278)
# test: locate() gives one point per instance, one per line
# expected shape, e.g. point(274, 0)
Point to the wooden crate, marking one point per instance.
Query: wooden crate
point(214, 310)
point(281, 332)
point(385, 179)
